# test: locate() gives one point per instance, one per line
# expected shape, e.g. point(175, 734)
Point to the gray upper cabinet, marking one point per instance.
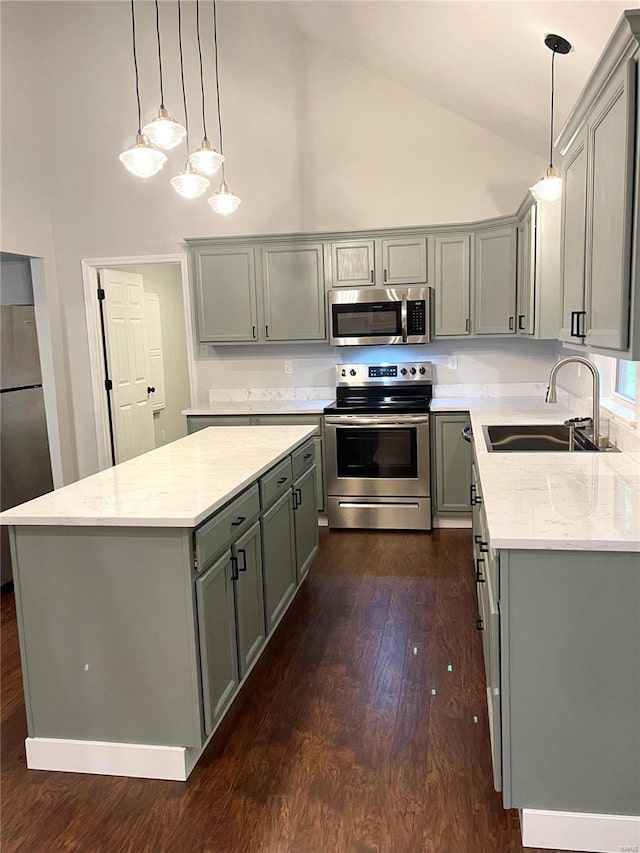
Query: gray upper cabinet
point(353, 263)
point(404, 261)
point(293, 292)
point(452, 284)
point(218, 648)
point(495, 281)
point(574, 199)
point(225, 294)
point(610, 186)
point(526, 275)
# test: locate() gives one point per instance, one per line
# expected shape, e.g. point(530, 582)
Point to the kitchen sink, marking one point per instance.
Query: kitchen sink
point(536, 438)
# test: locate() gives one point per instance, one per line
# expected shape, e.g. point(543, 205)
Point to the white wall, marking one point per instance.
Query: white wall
point(312, 141)
point(166, 280)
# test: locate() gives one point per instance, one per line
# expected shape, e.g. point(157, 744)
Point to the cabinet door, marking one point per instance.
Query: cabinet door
point(452, 464)
point(306, 521)
point(225, 285)
point(197, 422)
point(278, 558)
point(249, 597)
point(218, 647)
point(404, 261)
point(453, 285)
point(574, 206)
point(293, 293)
point(318, 452)
point(352, 263)
point(610, 189)
point(495, 279)
point(526, 273)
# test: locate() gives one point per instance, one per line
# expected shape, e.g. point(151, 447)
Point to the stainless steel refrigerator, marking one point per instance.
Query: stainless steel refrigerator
point(25, 462)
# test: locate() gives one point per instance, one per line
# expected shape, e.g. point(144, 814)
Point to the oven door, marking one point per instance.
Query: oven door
point(386, 456)
point(367, 317)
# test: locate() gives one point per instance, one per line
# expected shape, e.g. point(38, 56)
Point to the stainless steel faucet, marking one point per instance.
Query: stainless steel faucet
point(551, 390)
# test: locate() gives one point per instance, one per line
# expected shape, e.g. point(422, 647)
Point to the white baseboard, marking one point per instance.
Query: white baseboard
point(593, 833)
point(444, 521)
point(112, 759)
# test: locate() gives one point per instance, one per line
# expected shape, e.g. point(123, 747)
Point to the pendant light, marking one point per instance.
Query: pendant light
point(189, 183)
point(206, 159)
point(141, 159)
point(549, 187)
point(223, 201)
point(163, 131)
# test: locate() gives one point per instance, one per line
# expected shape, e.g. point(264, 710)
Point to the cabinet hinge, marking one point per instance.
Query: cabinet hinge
point(108, 384)
point(101, 294)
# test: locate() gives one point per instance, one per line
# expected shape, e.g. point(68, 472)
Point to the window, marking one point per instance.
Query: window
point(626, 374)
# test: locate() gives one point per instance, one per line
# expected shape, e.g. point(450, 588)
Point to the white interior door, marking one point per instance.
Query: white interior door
point(127, 356)
point(155, 353)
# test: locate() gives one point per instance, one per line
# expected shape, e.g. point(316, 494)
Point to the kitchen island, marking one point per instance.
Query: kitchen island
point(146, 593)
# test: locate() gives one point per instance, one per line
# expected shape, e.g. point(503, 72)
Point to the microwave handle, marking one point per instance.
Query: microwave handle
point(403, 319)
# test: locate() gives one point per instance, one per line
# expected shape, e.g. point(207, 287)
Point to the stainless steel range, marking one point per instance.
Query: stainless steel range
point(377, 456)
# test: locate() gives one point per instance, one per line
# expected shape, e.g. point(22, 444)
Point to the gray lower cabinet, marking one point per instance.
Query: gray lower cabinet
point(306, 521)
point(218, 643)
point(452, 463)
point(560, 642)
point(249, 597)
point(293, 292)
point(278, 558)
point(495, 281)
point(225, 294)
point(452, 285)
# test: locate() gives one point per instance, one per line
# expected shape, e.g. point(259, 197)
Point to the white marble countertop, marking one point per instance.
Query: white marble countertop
point(575, 501)
point(177, 485)
point(261, 407)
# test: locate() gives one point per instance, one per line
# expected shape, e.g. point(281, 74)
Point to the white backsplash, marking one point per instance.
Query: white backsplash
point(242, 395)
point(620, 433)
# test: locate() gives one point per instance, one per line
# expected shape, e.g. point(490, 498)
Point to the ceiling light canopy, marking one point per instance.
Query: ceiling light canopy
point(549, 187)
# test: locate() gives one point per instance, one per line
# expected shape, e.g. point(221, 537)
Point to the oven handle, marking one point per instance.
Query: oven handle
point(381, 421)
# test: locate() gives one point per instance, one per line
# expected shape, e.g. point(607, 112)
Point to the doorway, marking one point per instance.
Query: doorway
point(139, 321)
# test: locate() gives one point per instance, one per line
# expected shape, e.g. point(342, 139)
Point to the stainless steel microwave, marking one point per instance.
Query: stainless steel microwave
point(379, 315)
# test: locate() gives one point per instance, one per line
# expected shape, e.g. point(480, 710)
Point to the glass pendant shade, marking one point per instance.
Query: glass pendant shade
point(142, 159)
point(206, 159)
point(189, 184)
point(224, 201)
point(548, 188)
point(164, 131)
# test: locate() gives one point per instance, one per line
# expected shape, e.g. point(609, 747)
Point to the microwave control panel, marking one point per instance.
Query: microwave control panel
point(416, 317)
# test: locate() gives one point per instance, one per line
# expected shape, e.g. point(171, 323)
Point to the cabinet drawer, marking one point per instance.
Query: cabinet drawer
point(276, 482)
point(302, 458)
point(226, 525)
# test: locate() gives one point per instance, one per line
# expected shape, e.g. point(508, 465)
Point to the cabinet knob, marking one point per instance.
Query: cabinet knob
point(151, 389)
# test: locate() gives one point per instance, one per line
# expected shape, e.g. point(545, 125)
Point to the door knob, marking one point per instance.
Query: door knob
point(151, 389)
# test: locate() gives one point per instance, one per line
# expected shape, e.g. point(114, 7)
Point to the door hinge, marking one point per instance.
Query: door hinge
point(108, 384)
point(101, 294)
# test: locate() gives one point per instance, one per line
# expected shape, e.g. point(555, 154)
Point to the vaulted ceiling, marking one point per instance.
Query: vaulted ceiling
point(485, 61)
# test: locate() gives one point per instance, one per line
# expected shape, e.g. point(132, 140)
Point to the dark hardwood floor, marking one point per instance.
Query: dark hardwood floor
point(362, 728)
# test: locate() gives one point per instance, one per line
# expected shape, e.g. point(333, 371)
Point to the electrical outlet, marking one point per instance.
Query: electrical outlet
point(288, 368)
point(452, 362)
point(163, 436)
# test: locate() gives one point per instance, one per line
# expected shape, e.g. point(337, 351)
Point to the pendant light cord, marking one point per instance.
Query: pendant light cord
point(215, 53)
point(184, 91)
point(159, 55)
point(553, 62)
point(135, 64)
point(204, 118)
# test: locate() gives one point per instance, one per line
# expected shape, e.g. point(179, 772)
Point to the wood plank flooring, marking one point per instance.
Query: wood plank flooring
point(355, 732)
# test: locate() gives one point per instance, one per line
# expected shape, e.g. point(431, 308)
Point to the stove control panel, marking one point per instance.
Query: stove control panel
point(390, 374)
